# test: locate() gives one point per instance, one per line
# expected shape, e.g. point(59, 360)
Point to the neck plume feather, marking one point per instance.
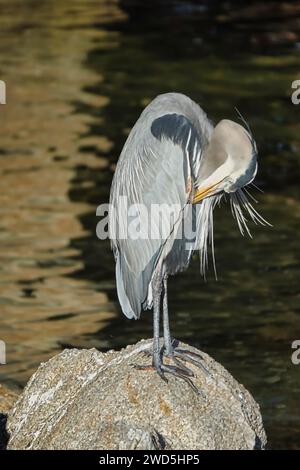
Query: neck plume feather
point(240, 204)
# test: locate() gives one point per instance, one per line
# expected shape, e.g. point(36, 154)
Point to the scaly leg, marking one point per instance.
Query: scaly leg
point(168, 347)
point(170, 350)
point(157, 363)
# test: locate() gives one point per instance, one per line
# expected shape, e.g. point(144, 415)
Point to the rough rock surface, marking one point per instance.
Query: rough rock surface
point(7, 399)
point(85, 399)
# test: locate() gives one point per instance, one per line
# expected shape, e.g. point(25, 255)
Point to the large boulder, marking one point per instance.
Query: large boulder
point(85, 399)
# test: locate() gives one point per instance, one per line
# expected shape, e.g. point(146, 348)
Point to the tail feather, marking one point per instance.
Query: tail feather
point(130, 291)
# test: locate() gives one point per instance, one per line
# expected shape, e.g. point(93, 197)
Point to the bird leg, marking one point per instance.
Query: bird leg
point(192, 358)
point(156, 351)
point(157, 362)
point(168, 346)
point(170, 349)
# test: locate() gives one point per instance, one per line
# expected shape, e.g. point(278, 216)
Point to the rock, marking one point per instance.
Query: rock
point(7, 399)
point(85, 399)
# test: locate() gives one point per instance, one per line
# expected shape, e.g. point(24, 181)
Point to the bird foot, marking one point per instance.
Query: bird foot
point(191, 357)
point(149, 367)
point(173, 357)
point(178, 370)
point(181, 372)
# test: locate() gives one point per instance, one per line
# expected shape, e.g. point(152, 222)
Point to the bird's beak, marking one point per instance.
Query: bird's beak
point(201, 193)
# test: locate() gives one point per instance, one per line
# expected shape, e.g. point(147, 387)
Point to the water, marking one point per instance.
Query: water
point(78, 74)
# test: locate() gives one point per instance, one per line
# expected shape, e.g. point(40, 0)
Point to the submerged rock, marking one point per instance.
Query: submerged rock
point(85, 399)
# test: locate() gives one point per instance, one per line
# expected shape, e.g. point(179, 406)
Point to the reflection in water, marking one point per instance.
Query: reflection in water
point(78, 76)
point(42, 305)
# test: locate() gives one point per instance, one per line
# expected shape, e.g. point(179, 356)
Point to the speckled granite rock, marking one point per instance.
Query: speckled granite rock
point(7, 399)
point(84, 399)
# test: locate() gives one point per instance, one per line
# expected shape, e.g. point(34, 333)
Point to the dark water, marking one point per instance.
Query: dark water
point(78, 75)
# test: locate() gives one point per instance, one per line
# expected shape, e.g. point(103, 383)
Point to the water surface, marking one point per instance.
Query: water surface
point(78, 75)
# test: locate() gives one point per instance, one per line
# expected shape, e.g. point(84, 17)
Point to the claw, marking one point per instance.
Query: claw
point(160, 370)
point(177, 372)
point(151, 367)
point(142, 366)
point(190, 353)
point(188, 372)
point(191, 357)
point(178, 369)
point(181, 372)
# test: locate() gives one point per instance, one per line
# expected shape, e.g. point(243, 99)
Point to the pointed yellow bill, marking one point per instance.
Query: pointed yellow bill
point(202, 193)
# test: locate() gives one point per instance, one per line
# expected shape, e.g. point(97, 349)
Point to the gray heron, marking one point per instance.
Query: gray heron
point(174, 156)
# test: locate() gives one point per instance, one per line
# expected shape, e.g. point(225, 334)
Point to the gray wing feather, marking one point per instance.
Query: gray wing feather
point(154, 167)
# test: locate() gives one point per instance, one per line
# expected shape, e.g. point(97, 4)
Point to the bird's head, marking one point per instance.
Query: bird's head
point(229, 162)
point(228, 165)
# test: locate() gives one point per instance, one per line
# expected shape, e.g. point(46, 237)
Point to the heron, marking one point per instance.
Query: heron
point(174, 156)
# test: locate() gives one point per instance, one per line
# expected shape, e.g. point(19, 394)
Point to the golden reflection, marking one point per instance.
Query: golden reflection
point(42, 65)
